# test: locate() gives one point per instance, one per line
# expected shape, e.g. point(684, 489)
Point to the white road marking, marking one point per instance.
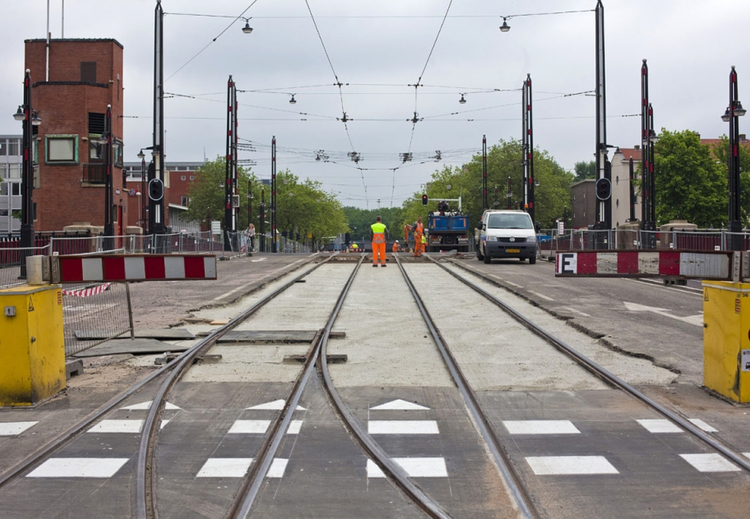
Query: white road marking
point(260, 427)
point(237, 468)
point(78, 468)
point(414, 468)
point(259, 259)
point(249, 427)
point(658, 426)
point(147, 405)
point(584, 314)
point(540, 427)
point(15, 428)
point(710, 463)
point(402, 427)
point(513, 284)
point(540, 295)
point(697, 320)
point(117, 426)
point(276, 405)
point(399, 405)
point(570, 465)
point(702, 425)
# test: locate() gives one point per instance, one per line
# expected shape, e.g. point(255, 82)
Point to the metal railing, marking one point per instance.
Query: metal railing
point(623, 239)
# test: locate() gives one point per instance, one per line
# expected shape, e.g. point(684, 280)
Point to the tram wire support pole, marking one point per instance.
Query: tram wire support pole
point(732, 114)
point(156, 203)
point(274, 242)
point(484, 174)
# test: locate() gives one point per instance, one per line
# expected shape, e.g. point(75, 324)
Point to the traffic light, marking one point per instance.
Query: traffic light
point(603, 189)
point(424, 199)
point(155, 189)
point(347, 239)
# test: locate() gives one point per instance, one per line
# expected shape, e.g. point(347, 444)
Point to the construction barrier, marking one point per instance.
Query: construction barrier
point(673, 264)
point(135, 267)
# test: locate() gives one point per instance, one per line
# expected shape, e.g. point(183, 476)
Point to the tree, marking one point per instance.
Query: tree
point(302, 207)
point(504, 161)
point(584, 170)
point(360, 220)
point(689, 183)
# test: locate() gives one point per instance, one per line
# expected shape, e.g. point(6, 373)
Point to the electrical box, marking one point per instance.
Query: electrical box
point(726, 339)
point(32, 345)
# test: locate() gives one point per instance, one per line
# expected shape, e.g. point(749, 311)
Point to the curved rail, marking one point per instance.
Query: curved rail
point(605, 374)
point(145, 473)
point(511, 479)
point(393, 471)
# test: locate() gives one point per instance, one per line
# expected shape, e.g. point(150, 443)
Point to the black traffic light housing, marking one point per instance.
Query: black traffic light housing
point(603, 189)
point(424, 199)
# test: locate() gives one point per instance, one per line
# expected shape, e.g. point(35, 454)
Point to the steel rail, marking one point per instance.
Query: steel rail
point(517, 491)
point(145, 469)
point(394, 472)
point(255, 476)
point(603, 373)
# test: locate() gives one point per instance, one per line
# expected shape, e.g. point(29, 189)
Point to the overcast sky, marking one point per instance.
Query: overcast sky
point(377, 49)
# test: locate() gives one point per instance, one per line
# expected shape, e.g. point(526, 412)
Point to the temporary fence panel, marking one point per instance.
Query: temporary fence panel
point(94, 313)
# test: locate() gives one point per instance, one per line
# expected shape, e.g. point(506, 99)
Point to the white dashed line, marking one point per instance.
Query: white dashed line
point(541, 295)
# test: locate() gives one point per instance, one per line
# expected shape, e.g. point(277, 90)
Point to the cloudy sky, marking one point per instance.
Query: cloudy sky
point(377, 50)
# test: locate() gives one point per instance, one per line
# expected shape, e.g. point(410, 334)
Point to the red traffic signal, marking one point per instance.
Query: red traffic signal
point(424, 199)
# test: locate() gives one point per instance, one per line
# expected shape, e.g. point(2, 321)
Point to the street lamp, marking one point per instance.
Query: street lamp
point(505, 27)
point(247, 29)
point(30, 119)
point(732, 114)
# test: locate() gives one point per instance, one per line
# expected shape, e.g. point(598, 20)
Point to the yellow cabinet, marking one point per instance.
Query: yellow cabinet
point(32, 344)
point(726, 339)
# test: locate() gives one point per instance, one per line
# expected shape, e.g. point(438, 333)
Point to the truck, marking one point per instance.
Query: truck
point(447, 230)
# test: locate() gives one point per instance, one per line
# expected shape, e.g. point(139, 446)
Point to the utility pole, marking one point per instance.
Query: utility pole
point(603, 169)
point(528, 149)
point(648, 213)
point(274, 243)
point(230, 186)
point(156, 183)
point(262, 225)
point(485, 205)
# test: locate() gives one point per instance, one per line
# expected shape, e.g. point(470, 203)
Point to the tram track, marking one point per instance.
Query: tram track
point(602, 373)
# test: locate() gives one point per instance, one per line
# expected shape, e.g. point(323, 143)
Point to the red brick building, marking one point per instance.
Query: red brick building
point(71, 91)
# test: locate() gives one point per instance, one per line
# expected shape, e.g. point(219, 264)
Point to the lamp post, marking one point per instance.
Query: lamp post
point(30, 119)
point(732, 114)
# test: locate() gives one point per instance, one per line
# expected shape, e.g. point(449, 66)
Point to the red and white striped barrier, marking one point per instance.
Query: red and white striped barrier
point(700, 265)
point(142, 267)
point(87, 292)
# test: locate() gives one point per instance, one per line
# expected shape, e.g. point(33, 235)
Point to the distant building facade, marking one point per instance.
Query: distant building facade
point(623, 160)
point(11, 161)
point(583, 195)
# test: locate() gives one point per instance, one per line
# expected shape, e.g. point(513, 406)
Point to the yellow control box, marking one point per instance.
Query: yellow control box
point(726, 339)
point(32, 344)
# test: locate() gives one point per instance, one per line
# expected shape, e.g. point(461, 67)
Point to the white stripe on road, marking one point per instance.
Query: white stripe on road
point(576, 311)
point(540, 295)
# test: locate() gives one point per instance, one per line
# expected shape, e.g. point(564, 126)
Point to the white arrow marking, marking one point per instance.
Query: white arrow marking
point(697, 320)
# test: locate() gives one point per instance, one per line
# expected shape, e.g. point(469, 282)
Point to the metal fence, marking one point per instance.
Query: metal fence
point(95, 313)
point(623, 239)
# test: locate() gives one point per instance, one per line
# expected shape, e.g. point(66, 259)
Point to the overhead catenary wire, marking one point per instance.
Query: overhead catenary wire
point(236, 18)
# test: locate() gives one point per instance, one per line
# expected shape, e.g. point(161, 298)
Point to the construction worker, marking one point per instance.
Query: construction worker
point(419, 241)
point(378, 235)
point(395, 246)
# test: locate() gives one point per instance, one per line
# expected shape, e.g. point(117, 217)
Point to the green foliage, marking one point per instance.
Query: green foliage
point(504, 161)
point(584, 170)
point(360, 220)
point(689, 183)
point(302, 207)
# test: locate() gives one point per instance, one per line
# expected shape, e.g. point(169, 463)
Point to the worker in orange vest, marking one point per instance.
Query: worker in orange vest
point(418, 230)
point(378, 235)
point(395, 246)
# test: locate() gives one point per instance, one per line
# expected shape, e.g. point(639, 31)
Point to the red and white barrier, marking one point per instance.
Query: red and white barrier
point(146, 267)
point(87, 292)
point(700, 265)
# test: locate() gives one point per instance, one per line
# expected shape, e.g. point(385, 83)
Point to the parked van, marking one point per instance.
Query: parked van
point(506, 234)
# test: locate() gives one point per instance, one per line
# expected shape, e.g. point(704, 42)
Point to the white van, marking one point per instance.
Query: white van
point(506, 234)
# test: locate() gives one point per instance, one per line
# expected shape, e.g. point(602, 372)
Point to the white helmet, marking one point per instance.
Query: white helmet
point(396, 241)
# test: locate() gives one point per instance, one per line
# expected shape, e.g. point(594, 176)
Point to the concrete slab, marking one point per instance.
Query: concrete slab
point(73, 368)
point(165, 334)
point(134, 347)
